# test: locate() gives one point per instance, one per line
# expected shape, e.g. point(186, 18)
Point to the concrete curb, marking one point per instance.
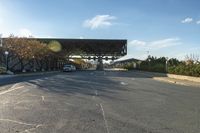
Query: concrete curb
point(181, 77)
point(170, 81)
point(173, 79)
point(37, 73)
point(28, 74)
point(173, 76)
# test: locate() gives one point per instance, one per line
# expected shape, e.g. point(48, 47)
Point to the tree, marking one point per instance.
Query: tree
point(192, 58)
point(24, 50)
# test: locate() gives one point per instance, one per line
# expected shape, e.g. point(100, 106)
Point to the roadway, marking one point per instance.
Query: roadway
point(97, 102)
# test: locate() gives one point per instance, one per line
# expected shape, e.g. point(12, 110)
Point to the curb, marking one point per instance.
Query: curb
point(173, 76)
point(37, 73)
point(173, 80)
point(170, 81)
point(182, 77)
point(28, 74)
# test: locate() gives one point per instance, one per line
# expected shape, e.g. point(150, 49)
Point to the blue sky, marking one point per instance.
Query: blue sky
point(162, 27)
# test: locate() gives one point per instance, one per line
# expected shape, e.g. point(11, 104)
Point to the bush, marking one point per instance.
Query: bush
point(2, 70)
point(183, 69)
point(175, 66)
point(128, 66)
point(154, 67)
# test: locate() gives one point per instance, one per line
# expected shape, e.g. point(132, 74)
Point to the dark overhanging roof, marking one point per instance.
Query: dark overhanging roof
point(92, 47)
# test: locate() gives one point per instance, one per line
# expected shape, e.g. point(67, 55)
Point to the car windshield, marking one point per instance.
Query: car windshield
point(67, 65)
point(99, 66)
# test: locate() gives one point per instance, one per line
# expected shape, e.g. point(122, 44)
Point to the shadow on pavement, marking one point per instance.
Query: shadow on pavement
point(81, 82)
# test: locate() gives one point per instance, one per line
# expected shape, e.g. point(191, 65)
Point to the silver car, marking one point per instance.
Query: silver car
point(69, 68)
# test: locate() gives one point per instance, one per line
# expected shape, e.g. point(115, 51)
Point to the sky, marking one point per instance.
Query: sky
point(169, 28)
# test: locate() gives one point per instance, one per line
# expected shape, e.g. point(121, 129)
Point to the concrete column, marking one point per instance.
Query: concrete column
point(100, 64)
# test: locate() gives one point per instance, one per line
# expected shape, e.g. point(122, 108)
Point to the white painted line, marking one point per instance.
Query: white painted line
point(45, 89)
point(12, 89)
point(24, 91)
point(58, 90)
point(43, 98)
point(123, 83)
point(18, 122)
point(31, 129)
point(32, 85)
point(104, 117)
point(96, 92)
point(132, 78)
point(69, 104)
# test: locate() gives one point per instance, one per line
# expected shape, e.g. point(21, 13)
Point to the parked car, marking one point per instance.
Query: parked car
point(69, 68)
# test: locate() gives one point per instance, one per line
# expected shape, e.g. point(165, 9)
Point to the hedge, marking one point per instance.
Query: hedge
point(174, 66)
point(183, 69)
point(2, 70)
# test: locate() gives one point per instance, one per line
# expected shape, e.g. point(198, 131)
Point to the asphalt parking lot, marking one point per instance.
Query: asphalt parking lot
point(97, 102)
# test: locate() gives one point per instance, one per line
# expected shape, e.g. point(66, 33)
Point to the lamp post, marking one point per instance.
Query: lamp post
point(166, 64)
point(34, 70)
point(6, 54)
point(149, 60)
point(1, 41)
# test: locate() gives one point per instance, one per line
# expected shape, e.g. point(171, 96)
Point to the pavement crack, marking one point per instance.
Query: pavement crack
point(104, 118)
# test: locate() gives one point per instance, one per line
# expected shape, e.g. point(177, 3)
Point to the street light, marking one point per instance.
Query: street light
point(166, 64)
point(1, 41)
point(149, 60)
point(6, 53)
point(34, 64)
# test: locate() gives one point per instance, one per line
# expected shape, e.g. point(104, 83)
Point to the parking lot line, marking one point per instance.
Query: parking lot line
point(104, 118)
point(11, 89)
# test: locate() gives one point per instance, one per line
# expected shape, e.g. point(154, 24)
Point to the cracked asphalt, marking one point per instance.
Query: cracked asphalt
point(97, 102)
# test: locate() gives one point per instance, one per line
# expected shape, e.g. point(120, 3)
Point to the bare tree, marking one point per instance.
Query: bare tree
point(192, 58)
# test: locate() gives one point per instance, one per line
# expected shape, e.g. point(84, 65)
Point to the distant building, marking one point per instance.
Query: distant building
point(131, 61)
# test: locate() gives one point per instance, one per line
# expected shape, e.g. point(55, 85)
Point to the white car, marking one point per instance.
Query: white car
point(69, 68)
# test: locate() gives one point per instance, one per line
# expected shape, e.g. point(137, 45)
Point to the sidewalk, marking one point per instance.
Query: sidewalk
point(177, 81)
point(164, 78)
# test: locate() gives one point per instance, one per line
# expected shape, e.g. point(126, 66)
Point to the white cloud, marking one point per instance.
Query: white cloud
point(165, 43)
point(137, 43)
point(187, 20)
point(1, 21)
point(198, 22)
point(158, 44)
point(24, 33)
point(99, 21)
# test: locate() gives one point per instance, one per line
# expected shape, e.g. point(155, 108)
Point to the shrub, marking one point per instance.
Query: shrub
point(128, 66)
point(2, 70)
point(183, 69)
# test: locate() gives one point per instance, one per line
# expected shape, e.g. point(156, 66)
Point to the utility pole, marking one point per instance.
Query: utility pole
point(6, 53)
point(166, 64)
point(148, 59)
point(1, 41)
point(148, 54)
point(1, 45)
